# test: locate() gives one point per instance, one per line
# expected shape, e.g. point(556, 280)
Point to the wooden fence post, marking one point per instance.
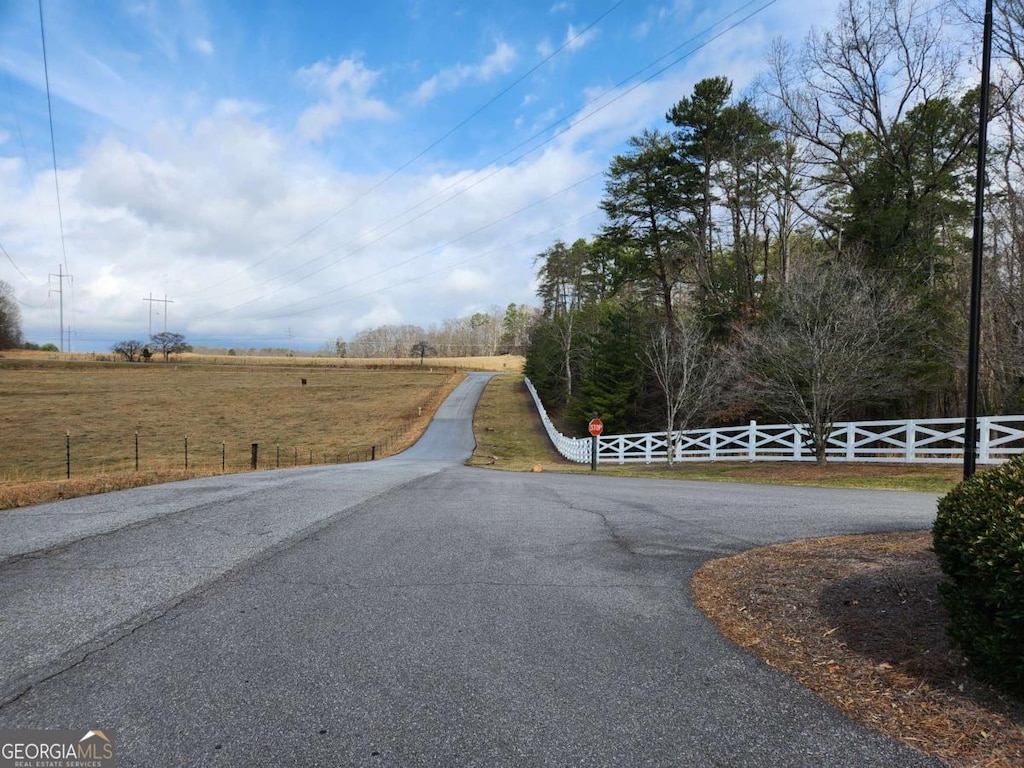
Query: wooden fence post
point(255, 454)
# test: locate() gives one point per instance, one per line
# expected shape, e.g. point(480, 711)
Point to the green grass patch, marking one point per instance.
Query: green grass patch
point(510, 436)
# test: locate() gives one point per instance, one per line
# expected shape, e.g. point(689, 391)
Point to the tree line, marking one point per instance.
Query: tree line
point(496, 332)
point(802, 252)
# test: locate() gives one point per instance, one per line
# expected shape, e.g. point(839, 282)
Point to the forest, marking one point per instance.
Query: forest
point(802, 252)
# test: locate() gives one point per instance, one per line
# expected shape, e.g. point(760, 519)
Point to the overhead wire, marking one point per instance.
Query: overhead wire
point(570, 39)
point(554, 124)
point(17, 124)
point(521, 144)
point(18, 269)
point(576, 117)
point(56, 177)
point(475, 257)
point(467, 260)
point(451, 242)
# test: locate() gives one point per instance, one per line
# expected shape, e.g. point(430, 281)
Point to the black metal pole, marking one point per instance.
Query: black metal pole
point(974, 337)
point(593, 453)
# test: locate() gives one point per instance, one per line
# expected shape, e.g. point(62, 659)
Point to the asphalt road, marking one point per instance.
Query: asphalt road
point(415, 612)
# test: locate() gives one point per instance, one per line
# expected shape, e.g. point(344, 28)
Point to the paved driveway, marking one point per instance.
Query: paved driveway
point(414, 612)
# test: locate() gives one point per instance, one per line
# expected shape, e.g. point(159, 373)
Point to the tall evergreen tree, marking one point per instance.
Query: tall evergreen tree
point(641, 202)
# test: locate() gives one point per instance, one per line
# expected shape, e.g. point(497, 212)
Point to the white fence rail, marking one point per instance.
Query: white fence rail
point(936, 441)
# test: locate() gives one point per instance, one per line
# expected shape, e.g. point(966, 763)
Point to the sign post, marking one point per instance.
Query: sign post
point(596, 428)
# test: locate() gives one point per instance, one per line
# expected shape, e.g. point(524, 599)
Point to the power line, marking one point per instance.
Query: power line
point(363, 195)
point(443, 245)
point(554, 124)
point(53, 144)
point(56, 178)
point(18, 269)
point(467, 260)
point(21, 133)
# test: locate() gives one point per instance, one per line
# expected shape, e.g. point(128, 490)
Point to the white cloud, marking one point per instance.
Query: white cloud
point(219, 203)
point(346, 90)
point(383, 312)
point(498, 62)
point(575, 41)
point(203, 45)
point(466, 282)
point(236, 228)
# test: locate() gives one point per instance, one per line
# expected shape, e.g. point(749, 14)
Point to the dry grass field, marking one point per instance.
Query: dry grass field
point(339, 415)
point(501, 363)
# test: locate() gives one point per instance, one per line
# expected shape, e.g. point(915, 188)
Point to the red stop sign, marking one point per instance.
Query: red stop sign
point(596, 427)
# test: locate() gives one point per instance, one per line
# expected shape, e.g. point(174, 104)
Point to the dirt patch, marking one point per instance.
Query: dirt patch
point(857, 620)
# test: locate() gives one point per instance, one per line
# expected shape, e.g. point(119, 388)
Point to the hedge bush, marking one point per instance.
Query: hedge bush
point(979, 541)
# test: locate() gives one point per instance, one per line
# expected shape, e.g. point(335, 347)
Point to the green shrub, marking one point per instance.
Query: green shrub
point(979, 541)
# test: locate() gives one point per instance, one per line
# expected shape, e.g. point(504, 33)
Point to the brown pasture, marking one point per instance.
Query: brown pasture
point(340, 414)
point(501, 363)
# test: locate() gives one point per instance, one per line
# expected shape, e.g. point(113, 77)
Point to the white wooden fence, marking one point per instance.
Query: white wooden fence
point(937, 441)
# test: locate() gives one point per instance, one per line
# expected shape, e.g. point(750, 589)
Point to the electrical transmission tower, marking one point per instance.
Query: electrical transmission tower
point(165, 301)
point(59, 290)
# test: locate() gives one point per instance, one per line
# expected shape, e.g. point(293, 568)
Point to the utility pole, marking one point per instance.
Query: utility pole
point(974, 320)
point(163, 301)
point(60, 292)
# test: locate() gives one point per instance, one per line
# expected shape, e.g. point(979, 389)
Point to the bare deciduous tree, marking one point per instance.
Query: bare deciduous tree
point(863, 76)
point(10, 318)
point(688, 374)
point(130, 349)
point(828, 347)
point(169, 343)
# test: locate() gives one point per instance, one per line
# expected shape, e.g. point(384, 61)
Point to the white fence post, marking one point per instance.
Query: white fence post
point(924, 440)
point(984, 435)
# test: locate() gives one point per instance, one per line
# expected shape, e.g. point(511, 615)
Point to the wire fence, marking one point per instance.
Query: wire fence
point(77, 453)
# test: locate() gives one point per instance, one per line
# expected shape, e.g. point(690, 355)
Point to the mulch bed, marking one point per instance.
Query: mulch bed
point(858, 620)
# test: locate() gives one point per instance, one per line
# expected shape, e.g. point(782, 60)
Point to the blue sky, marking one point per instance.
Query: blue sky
point(287, 173)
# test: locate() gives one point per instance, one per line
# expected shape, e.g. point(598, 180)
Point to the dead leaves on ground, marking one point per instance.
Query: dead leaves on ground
point(857, 619)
